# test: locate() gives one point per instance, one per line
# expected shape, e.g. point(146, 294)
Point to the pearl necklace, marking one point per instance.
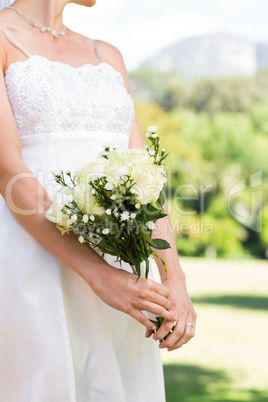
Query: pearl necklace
point(37, 24)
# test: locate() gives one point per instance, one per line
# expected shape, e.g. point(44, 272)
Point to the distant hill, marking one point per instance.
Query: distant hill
point(262, 55)
point(214, 55)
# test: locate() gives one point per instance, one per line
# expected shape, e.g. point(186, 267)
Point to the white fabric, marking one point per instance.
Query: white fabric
point(58, 341)
point(91, 97)
point(5, 3)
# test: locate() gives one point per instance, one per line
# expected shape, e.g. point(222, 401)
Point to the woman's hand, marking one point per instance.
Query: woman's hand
point(122, 291)
point(182, 308)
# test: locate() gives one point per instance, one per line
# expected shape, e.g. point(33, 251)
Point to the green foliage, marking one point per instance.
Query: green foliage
point(210, 95)
point(209, 155)
point(223, 362)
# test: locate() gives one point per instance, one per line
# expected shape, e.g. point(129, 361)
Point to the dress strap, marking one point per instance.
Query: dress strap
point(97, 50)
point(16, 42)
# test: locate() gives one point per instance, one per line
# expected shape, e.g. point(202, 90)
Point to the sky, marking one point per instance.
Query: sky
point(141, 28)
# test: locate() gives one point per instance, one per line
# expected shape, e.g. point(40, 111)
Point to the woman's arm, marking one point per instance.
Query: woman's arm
point(117, 288)
point(181, 304)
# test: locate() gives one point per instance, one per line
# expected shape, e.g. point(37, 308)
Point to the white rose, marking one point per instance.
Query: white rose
point(137, 156)
point(137, 159)
point(85, 200)
point(54, 213)
point(91, 171)
point(149, 183)
point(116, 166)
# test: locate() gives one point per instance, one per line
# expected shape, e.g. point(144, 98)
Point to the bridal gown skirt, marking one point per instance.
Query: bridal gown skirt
point(59, 341)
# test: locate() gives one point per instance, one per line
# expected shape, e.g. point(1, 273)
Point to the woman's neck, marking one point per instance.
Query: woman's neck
point(47, 12)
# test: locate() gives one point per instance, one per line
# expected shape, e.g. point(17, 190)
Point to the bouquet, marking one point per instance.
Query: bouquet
point(113, 203)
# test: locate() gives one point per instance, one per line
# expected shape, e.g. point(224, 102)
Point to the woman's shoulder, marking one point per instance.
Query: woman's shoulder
point(3, 44)
point(112, 55)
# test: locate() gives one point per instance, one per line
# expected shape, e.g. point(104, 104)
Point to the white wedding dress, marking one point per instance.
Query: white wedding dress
point(58, 341)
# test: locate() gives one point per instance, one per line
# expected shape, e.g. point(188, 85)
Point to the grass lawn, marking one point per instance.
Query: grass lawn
point(228, 358)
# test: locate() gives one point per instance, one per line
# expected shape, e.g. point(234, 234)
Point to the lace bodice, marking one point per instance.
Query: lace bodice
point(48, 96)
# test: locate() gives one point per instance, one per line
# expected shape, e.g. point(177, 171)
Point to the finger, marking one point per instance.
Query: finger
point(177, 333)
point(148, 333)
point(160, 300)
point(140, 317)
point(181, 334)
point(160, 289)
point(157, 310)
point(164, 329)
point(188, 335)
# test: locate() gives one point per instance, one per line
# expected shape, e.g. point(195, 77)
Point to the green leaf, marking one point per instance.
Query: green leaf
point(137, 263)
point(62, 229)
point(161, 199)
point(105, 247)
point(146, 264)
point(163, 262)
point(160, 244)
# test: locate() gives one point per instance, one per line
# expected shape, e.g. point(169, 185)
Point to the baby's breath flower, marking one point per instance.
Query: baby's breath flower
point(73, 218)
point(81, 239)
point(154, 135)
point(108, 211)
point(157, 158)
point(122, 171)
point(108, 186)
point(92, 218)
point(150, 225)
point(151, 151)
point(96, 175)
point(152, 129)
point(85, 218)
point(125, 216)
point(56, 173)
point(163, 150)
point(133, 216)
point(147, 135)
point(137, 206)
point(113, 197)
point(93, 191)
point(106, 231)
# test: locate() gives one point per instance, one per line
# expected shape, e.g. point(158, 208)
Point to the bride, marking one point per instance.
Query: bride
point(71, 326)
